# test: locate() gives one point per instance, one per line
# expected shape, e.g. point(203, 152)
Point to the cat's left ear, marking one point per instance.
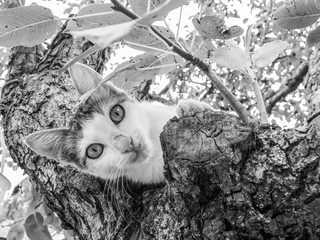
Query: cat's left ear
point(47, 143)
point(84, 78)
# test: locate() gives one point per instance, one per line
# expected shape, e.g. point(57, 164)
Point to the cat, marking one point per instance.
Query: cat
point(111, 134)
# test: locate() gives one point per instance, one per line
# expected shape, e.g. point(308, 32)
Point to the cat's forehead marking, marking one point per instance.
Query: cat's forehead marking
point(70, 153)
point(105, 95)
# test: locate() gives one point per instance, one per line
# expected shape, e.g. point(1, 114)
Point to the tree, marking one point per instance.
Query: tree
point(226, 176)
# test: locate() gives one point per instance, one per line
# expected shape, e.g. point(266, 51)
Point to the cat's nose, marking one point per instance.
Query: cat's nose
point(123, 143)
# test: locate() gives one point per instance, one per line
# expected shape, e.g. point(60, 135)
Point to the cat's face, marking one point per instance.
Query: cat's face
point(114, 137)
point(108, 135)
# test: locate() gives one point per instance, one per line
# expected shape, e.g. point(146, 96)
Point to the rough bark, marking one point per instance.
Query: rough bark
point(223, 179)
point(312, 86)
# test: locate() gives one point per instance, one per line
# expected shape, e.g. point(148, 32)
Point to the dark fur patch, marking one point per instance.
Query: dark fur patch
point(69, 151)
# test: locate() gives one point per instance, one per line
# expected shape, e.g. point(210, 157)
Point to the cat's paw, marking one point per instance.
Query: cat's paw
point(190, 107)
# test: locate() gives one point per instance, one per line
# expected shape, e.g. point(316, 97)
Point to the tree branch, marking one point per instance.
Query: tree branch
point(288, 87)
point(205, 67)
point(166, 88)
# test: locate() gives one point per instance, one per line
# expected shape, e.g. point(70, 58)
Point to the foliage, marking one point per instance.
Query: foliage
point(267, 54)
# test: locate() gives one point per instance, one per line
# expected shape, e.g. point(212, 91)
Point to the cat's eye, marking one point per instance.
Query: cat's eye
point(117, 114)
point(94, 150)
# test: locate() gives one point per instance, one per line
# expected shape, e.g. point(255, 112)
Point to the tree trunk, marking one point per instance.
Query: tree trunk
point(223, 180)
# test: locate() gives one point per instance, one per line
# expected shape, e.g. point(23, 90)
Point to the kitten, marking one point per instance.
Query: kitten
point(111, 134)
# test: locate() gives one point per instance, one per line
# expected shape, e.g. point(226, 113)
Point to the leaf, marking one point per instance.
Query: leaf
point(5, 185)
point(213, 27)
point(16, 232)
point(51, 219)
point(296, 14)
point(92, 16)
point(232, 32)
point(11, 4)
point(104, 36)
point(161, 12)
point(200, 48)
point(169, 63)
point(231, 57)
point(142, 36)
point(209, 27)
point(69, 234)
point(313, 38)
point(31, 195)
point(137, 71)
point(27, 26)
point(35, 229)
point(140, 7)
point(269, 52)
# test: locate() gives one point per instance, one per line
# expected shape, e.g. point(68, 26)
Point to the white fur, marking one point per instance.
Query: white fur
point(143, 122)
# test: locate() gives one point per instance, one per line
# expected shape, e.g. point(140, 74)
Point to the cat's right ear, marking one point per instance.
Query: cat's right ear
point(84, 78)
point(47, 143)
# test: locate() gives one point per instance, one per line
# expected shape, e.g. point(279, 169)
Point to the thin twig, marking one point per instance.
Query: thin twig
point(166, 88)
point(289, 87)
point(178, 29)
point(149, 47)
point(175, 37)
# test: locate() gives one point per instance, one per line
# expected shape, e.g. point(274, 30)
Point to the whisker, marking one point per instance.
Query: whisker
point(111, 186)
point(118, 193)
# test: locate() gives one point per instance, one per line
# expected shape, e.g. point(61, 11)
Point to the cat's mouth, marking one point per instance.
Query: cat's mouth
point(137, 155)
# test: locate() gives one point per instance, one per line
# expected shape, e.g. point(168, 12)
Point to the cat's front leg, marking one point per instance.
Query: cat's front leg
point(190, 107)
